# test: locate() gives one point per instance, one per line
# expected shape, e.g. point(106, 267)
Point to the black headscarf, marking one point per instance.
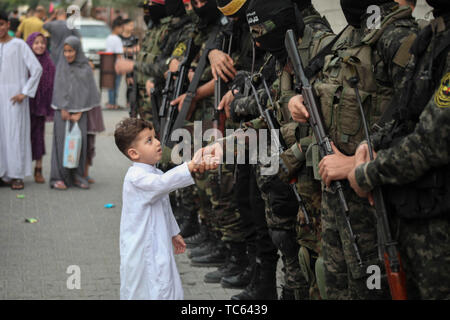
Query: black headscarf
point(209, 13)
point(440, 7)
point(175, 8)
point(354, 10)
point(269, 21)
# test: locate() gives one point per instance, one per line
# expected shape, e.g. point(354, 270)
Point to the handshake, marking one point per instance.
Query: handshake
point(207, 158)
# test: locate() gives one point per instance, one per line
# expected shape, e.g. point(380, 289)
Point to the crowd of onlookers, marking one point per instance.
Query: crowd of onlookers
point(45, 76)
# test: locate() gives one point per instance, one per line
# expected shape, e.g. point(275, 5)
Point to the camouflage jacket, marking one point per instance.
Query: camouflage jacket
point(377, 57)
point(159, 43)
point(427, 145)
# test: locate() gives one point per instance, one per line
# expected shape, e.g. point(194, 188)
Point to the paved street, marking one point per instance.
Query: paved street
point(74, 229)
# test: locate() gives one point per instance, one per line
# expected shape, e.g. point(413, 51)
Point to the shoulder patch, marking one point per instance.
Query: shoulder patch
point(442, 97)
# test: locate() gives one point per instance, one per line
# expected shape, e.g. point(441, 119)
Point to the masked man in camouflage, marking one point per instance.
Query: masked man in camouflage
point(412, 163)
point(374, 49)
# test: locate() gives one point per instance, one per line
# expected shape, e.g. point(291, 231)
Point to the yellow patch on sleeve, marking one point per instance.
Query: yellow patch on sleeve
point(442, 97)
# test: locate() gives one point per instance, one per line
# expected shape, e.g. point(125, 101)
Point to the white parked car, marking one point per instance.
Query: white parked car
point(93, 37)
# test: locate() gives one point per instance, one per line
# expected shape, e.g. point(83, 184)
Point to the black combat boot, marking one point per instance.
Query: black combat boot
point(263, 284)
point(200, 237)
point(190, 225)
point(206, 247)
point(234, 265)
point(241, 280)
point(287, 294)
point(214, 259)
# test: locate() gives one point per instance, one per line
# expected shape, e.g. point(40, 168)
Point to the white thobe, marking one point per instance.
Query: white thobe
point(147, 262)
point(20, 72)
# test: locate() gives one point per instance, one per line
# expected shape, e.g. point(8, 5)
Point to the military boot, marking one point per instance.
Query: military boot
point(205, 247)
point(214, 259)
point(241, 280)
point(263, 284)
point(190, 225)
point(234, 265)
point(287, 294)
point(198, 238)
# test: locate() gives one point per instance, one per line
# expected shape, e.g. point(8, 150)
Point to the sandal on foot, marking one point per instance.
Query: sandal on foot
point(17, 184)
point(59, 185)
point(38, 178)
point(81, 185)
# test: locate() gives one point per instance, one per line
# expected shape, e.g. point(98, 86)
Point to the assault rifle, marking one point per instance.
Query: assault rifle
point(395, 274)
point(317, 126)
point(172, 91)
point(281, 146)
point(219, 92)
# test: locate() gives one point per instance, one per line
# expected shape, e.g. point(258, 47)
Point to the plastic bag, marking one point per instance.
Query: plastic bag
point(72, 146)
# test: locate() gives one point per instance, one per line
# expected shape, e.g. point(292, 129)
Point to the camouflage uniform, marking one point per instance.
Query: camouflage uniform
point(378, 57)
point(316, 35)
point(404, 164)
point(157, 45)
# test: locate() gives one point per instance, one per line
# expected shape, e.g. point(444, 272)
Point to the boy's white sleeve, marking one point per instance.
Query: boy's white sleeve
point(174, 228)
point(159, 186)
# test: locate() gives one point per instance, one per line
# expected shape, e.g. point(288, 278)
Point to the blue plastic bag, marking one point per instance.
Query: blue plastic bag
point(72, 146)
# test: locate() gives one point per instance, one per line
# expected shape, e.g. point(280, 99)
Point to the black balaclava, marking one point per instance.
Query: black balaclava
point(157, 12)
point(302, 4)
point(440, 7)
point(269, 21)
point(175, 8)
point(355, 10)
point(209, 13)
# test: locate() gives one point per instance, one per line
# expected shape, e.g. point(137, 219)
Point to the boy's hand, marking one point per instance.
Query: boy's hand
point(18, 98)
point(178, 244)
point(207, 158)
point(65, 115)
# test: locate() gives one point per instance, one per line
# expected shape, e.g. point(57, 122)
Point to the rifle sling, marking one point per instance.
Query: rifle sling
point(316, 64)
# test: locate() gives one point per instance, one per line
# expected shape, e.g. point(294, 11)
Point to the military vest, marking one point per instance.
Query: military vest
point(150, 47)
point(354, 55)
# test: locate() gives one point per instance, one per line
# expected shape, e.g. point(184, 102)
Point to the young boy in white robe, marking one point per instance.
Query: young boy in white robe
point(148, 228)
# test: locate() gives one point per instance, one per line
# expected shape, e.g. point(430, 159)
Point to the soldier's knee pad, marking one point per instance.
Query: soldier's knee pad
point(285, 241)
point(320, 277)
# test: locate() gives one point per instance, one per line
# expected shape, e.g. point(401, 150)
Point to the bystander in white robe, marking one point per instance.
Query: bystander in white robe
point(20, 72)
point(147, 263)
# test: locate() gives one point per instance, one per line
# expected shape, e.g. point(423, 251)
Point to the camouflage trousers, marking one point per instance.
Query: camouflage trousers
point(275, 194)
point(345, 279)
point(221, 194)
point(205, 213)
point(424, 247)
point(308, 235)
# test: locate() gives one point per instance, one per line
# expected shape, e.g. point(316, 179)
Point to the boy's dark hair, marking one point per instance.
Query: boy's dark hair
point(118, 22)
point(4, 16)
point(127, 131)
